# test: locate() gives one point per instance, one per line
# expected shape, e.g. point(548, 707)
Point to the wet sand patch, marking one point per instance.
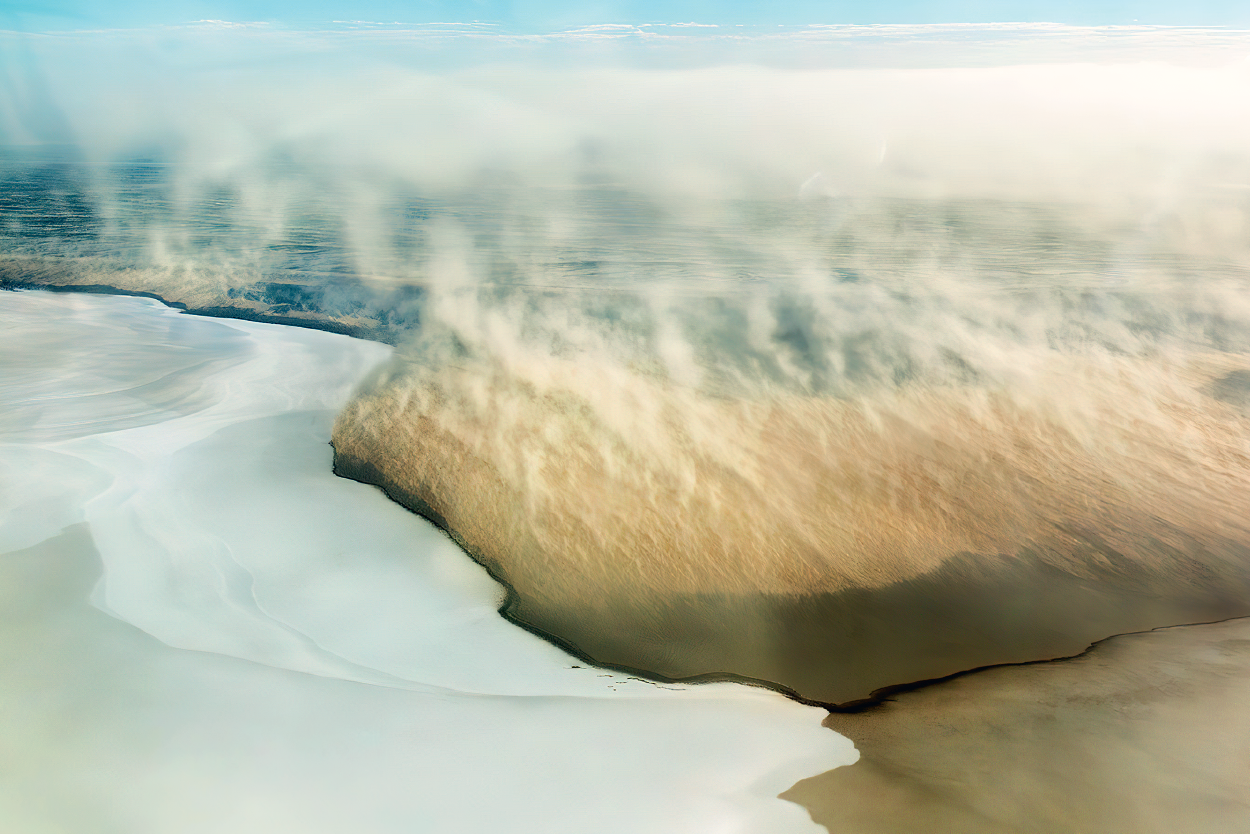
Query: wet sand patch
point(1144, 733)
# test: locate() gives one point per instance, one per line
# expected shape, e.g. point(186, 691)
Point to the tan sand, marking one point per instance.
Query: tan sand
point(1146, 733)
point(829, 545)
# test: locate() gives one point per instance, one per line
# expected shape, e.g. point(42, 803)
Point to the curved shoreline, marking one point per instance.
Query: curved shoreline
point(366, 474)
point(876, 698)
point(218, 312)
point(1146, 735)
point(361, 474)
point(511, 598)
point(880, 697)
point(239, 622)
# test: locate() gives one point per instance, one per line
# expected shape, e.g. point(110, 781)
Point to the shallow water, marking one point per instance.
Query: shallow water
point(204, 630)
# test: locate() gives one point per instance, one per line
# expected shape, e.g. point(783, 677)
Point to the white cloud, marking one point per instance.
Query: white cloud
point(227, 24)
point(690, 44)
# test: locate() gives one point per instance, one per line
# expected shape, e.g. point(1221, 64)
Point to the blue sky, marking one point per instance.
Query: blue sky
point(549, 15)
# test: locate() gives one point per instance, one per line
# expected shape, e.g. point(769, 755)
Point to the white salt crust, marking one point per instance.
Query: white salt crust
point(289, 651)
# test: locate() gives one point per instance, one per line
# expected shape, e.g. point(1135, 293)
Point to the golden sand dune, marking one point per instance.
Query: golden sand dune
point(832, 545)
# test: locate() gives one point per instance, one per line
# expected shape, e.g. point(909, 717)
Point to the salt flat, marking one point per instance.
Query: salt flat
point(204, 630)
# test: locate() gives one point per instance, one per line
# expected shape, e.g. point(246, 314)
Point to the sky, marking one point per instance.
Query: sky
point(553, 15)
point(63, 60)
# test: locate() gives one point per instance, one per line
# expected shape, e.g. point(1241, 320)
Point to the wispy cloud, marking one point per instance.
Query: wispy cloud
point(210, 23)
point(693, 43)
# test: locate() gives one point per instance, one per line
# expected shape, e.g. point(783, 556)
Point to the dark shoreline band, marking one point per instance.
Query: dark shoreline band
point(366, 473)
point(217, 312)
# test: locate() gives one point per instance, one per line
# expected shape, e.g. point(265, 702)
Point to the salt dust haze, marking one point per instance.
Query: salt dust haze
point(831, 359)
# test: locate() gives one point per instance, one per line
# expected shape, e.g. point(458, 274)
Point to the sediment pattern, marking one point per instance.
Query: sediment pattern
point(830, 545)
point(1144, 733)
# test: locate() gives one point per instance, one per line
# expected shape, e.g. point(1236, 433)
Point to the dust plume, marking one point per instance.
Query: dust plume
point(828, 365)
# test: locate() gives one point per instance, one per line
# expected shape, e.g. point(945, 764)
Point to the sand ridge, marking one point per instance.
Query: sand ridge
point(595, 490)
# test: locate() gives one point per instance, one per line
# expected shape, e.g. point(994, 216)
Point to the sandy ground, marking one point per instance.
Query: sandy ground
point(1146, 733)
point(830, 545)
